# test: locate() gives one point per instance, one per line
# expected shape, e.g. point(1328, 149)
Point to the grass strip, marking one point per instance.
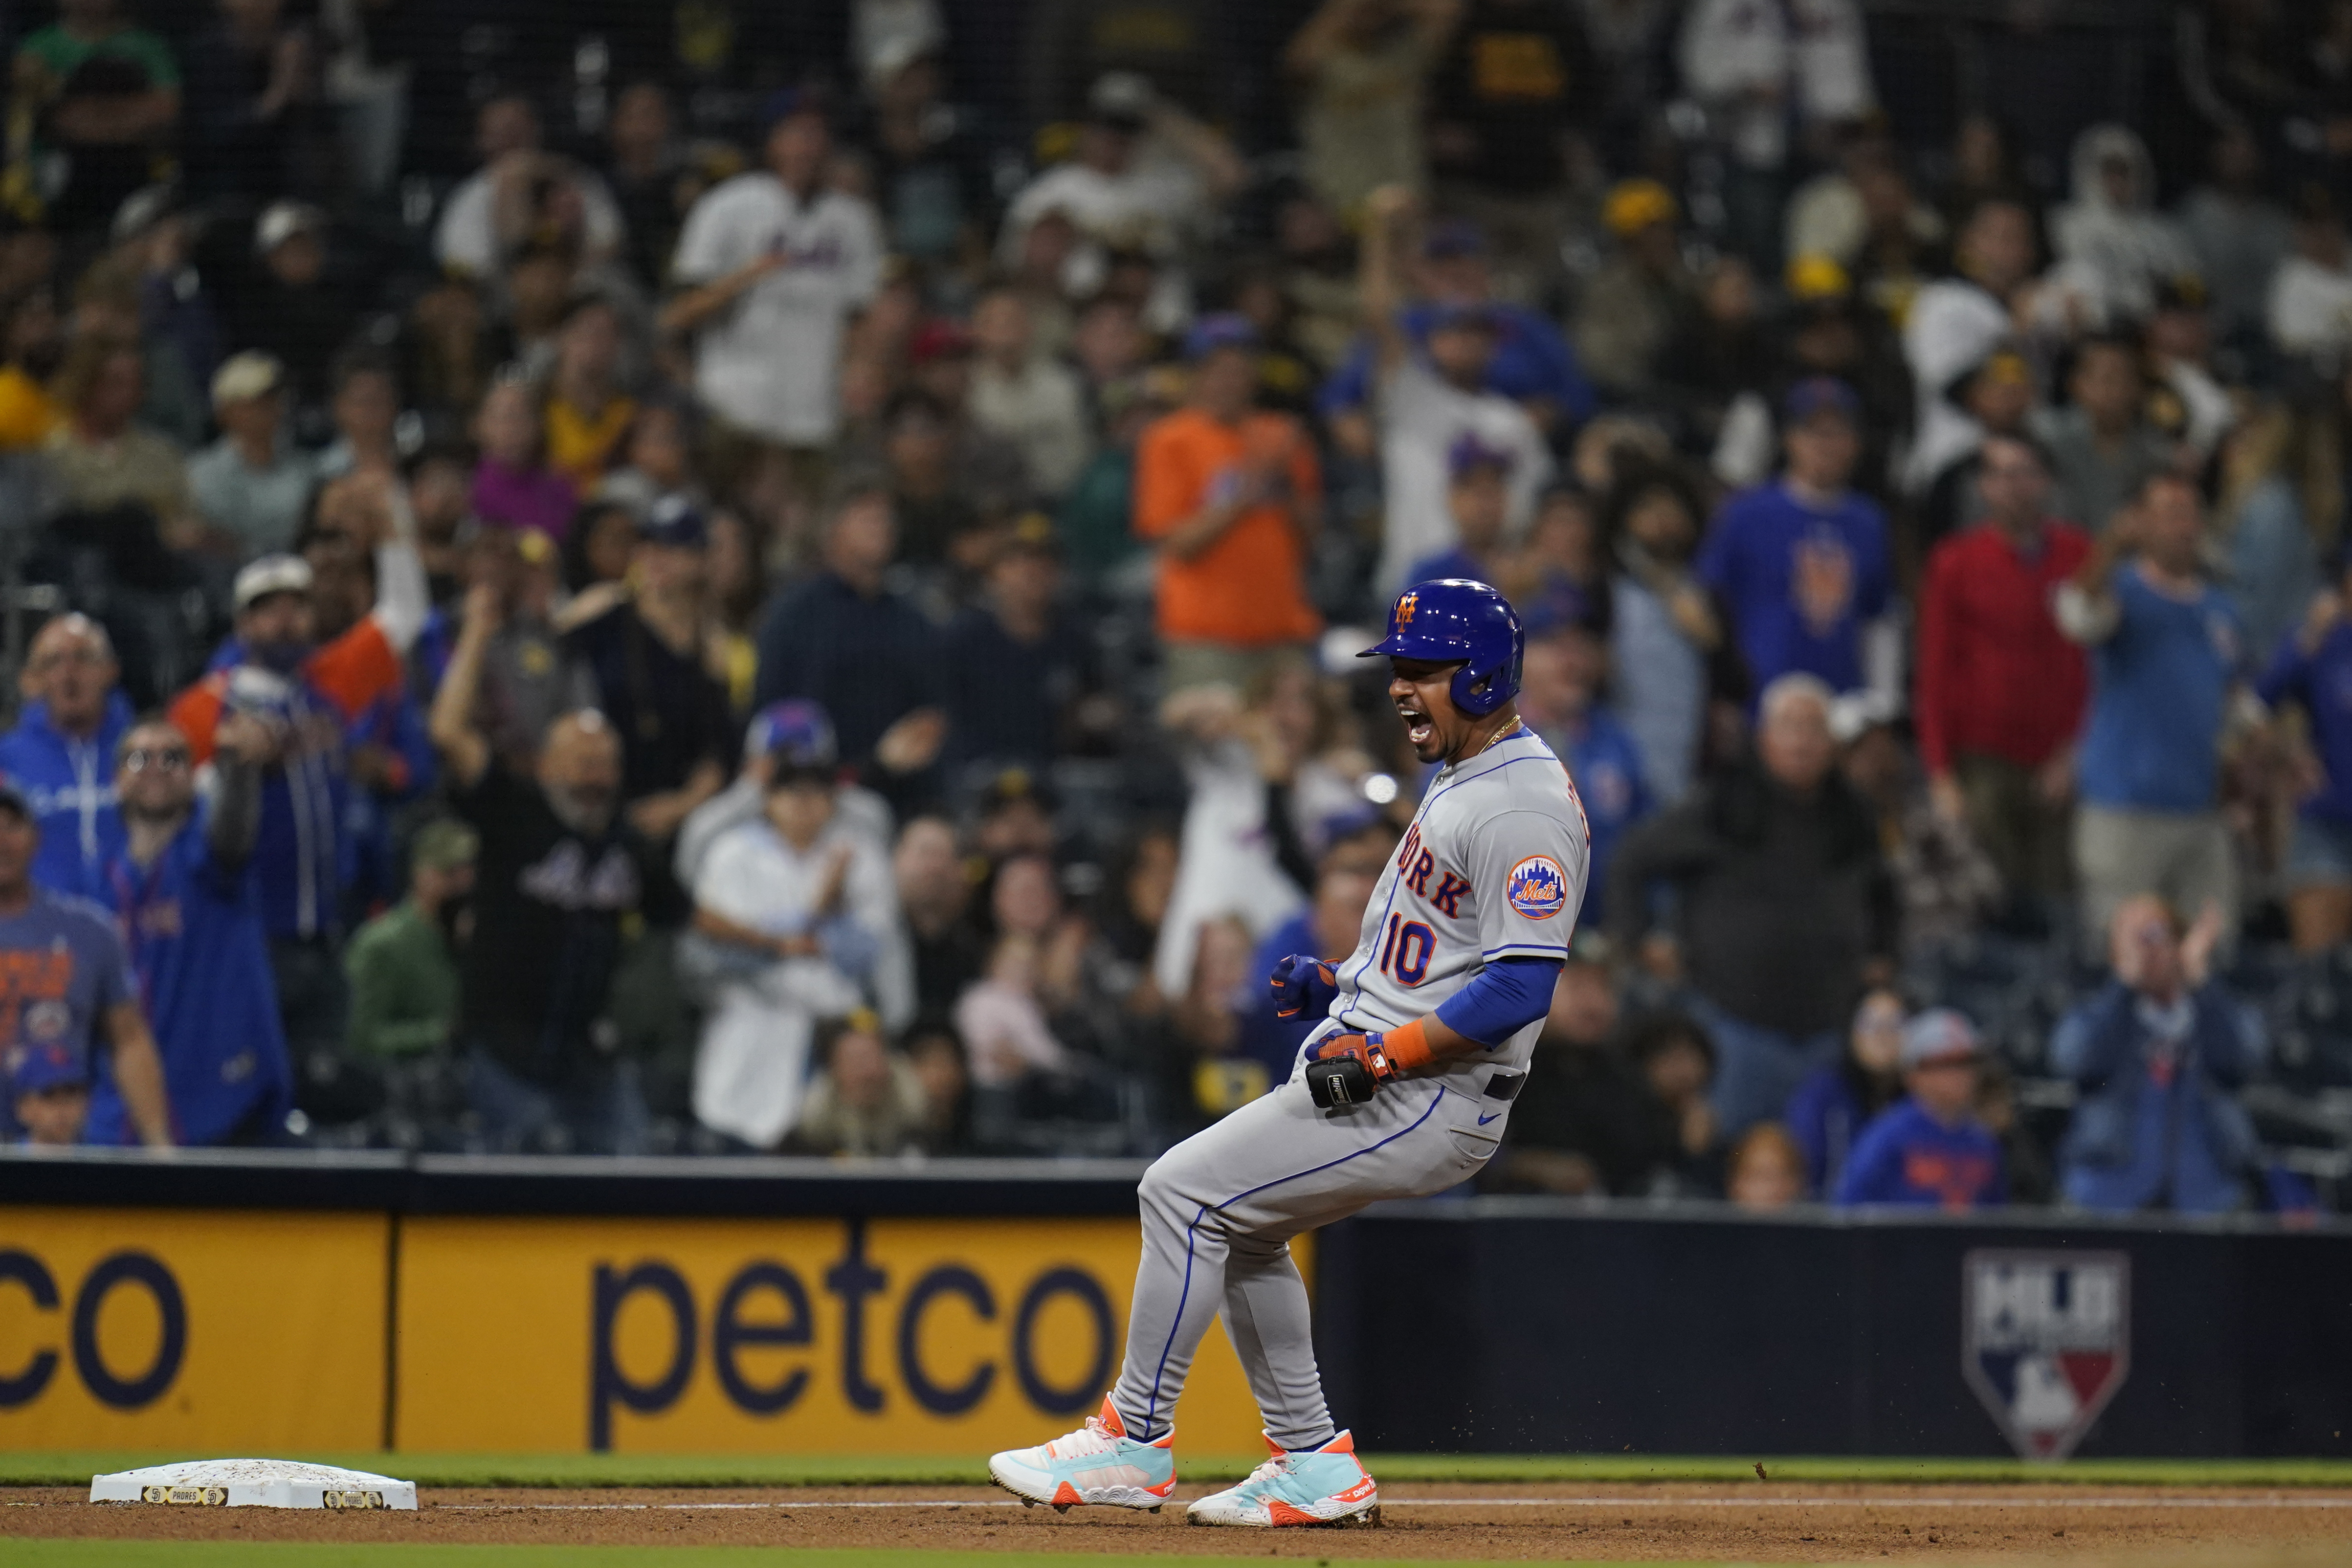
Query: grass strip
point(76, 1467)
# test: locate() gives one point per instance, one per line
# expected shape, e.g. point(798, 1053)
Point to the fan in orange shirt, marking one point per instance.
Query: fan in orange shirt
point(1229, 497)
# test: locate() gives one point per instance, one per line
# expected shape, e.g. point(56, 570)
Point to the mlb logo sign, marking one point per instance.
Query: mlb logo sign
point(2045, 1340)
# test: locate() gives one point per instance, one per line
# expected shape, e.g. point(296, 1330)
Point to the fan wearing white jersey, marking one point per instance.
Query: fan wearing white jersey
point(1402, 1090)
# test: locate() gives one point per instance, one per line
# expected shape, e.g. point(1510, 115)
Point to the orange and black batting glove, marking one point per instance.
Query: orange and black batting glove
point(1348, 1069)
point(1302, 983)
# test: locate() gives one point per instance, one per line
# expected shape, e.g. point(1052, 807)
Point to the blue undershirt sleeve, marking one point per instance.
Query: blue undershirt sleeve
point(1501, 1000)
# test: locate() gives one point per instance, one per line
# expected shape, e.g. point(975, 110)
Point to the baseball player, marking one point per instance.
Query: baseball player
point(1401, 1090)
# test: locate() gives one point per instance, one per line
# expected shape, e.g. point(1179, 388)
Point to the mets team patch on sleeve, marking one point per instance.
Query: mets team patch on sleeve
point(1538, 888)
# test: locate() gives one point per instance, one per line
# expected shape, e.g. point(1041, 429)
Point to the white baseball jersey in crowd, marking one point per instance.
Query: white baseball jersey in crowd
point(1493, 867)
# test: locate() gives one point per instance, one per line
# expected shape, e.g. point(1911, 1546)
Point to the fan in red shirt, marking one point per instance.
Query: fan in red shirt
point(2001, 691)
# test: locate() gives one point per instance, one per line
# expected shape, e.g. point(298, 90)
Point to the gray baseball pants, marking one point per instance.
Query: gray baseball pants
point(1220, 1209)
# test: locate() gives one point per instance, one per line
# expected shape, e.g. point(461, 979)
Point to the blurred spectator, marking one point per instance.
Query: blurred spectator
point(1946, 886)
point(527, 682)
point(2102, 448)
point(1015, 1054)
point(1514, 97)
point(1666, 632)
point(1096, 516)
point(2311, 669)
point(937, 1056)
point(76, 990)
point(60, 755)
point(1143, 180)
point(1763, 71)
point(1786, 904)
point(561, 881)
point(97, 99)
point(1019, 675)
point(2269, 564)
point(1559, 698)
point(801, 904)
point(1027, 399)
point(254, 119)
point(2025, 1167)
point(366, 409)
point(2001, 692)
point(772, 266)
point(1831, 1107)
point(1531, 364)
point(1764, 1172)
point(179, 319)
point(1955, 325)
point(648, 663)
point(865, 1100)
point(2114, 249)
point(2167, 654)
point(403, 965)
point(2154, 1056)
point(319, 692)
point(932, 177)
point(587, 417)
point(934, 887)
point(513, 486)
point(1429, 398)
point(98, 458)
point(645, 171)
point(1642, 297)
point(1581, 1125)
point(518, 189)
point(860, 652)
point(184, 894)
point(1803, 563)
point(1998, 395)
point(32, 347)
point(48, 1092)
point(252, 485)
point(2240, 235)
point(789, 724)
point(1677, 1063)
point(1928, 1150)
point(1206, 1068)
point(1362, 66)
point(2310, 307)
point(295, 310)
point(1229, 498)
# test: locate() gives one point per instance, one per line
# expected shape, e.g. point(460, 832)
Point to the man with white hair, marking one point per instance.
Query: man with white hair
point(61, 753)
point(1787, 906)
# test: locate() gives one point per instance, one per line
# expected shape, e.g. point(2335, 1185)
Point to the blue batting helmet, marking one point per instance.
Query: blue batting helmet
point(1453, 618)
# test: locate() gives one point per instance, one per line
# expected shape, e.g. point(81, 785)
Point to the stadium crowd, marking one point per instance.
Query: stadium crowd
point(709, 578)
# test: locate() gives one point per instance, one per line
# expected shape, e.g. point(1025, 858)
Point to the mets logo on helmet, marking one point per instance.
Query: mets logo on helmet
point(1537, 887)
point(1406, 606)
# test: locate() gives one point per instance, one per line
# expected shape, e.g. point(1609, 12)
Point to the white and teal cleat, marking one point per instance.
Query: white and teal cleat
point(1325, 1486)
point(1099, 1463)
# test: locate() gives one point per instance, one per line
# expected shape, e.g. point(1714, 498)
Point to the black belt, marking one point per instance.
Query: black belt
point(1505, 1086)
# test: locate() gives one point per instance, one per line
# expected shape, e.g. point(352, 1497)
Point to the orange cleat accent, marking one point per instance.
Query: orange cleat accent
point(1280, 1512)
point(1064, 1495)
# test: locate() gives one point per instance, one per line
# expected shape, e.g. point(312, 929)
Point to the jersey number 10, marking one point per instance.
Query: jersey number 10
point(1405, 952)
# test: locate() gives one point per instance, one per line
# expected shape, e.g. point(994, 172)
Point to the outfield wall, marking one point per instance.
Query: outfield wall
point(297, 1302)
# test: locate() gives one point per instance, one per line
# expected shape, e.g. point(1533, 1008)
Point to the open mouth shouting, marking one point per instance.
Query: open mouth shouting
point(1419, 727)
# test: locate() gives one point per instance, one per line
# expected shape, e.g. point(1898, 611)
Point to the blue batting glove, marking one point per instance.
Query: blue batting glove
point(1302, 983)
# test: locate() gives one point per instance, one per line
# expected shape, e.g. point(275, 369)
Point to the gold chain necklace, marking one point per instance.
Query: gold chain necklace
point(1502, 734)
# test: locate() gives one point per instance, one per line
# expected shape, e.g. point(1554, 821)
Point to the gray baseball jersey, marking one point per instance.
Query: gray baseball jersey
point(1493, 867)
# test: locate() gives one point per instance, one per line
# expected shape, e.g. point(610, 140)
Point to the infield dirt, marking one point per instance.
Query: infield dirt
point(1756, 1522)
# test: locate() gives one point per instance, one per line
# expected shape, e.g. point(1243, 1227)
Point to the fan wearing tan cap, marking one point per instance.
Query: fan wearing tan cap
point(252, 485)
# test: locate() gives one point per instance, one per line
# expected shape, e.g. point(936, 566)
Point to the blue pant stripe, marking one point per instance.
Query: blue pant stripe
point(1151, 1410)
